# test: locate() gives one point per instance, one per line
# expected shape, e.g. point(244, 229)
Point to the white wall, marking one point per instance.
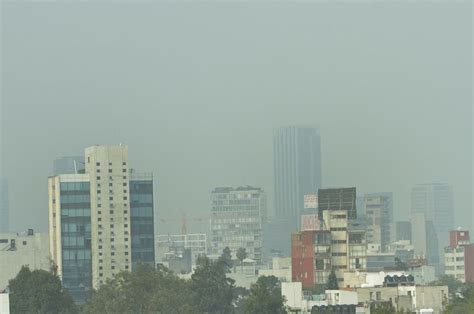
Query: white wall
point(4, 303)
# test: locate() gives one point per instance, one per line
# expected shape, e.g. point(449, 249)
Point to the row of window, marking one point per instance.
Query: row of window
point(110, 170)
point(110, 164)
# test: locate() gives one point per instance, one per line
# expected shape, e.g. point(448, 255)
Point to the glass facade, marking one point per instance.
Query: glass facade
point(76, 239)
point(142, 222)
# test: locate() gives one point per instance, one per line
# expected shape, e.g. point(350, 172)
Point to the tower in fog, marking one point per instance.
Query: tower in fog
point(297, 167)
point(435, 200)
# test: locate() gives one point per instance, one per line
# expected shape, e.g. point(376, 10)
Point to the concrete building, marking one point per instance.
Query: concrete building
point(4, 206)
point(435, 200)
point(379, 215)
point(340, 246)
point(100, 222)
point(297, 167)
point(459, 256)
point(68, 165)
point(280, 268)
point(20, 249)
point(299, 302)
point(237, 219)
point(408, 297)
point(422, 275)
point(344, 199)
point(177, 243)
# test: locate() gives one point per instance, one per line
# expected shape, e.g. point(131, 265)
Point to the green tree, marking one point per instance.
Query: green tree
point(145, 290)
point(453, 284)
point(212, 291)
point(265, 297)
point(39, 291)
point(226, 259)
point(463, 302)
point(241, 255)
point(332, 283)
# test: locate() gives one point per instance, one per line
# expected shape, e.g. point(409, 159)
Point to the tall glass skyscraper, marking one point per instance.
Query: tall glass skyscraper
point(297, 167)
point(435, 200)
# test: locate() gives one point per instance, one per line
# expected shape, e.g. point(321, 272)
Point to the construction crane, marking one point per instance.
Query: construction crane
point(184, 221)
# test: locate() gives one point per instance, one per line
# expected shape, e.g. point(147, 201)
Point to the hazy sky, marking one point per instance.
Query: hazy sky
point(195, 89)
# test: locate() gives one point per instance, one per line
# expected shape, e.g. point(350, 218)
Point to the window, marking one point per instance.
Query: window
point(24, 242)
point(124, 198)
point(100, 253)
point(110, 164)
point(111, 239)
point(110, 184)
point(99, 212)
point(100, 247)
point(126, 266)
point(100, 267)
point(124, 163)
point(111, 225)
point(111, 211)
point(110, 170)
point(125, 191)
point(97, 163)
point(126, 253)
point(126, 239)
point(113, 267)
point(125, 212)
point(99, 205)
point(100, 274)
point(111, 198)
point(100, 232)
point(124, 170)
point(124, 177)
point(371, 296)
point(98, 177)
point(99, 219)
point(88, 159)
point(112, 253)
point(378, 295)
point(125, 184)
point(126, 225)
point(98, 191)
point(98, 185)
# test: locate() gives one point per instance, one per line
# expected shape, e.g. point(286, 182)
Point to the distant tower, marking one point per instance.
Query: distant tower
point(435, 200)
point(379, 215)
point(297, 167)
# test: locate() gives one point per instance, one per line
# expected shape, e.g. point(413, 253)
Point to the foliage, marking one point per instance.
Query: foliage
point(265, 297)
point(463, 302)
point(453, 284)
point(145, 290)
point(332, 283)
point(39, 291)
point(241, 254)
point(212, 291)
point(226, 259)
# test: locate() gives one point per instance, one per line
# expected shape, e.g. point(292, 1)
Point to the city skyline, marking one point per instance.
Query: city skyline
point(385, 126)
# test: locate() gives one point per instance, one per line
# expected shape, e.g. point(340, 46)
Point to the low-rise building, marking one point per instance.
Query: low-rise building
point(22, 249)
point(280, 268)
point(412, 298)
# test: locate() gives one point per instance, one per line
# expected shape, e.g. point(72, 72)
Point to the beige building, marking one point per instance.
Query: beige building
point(413, 298)
point(378, 211)
point(20, 249)
point(348, 242)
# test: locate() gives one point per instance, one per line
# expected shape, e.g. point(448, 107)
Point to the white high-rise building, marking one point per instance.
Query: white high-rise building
point(237, 218)
point(101, 222)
